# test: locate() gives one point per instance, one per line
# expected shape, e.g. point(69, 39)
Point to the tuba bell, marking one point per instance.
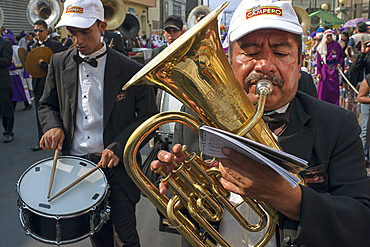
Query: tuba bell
point(196, 14)
point(114, 13)
point(195, 70)
point(130, 27)
point(304, 18)
point(47, 10)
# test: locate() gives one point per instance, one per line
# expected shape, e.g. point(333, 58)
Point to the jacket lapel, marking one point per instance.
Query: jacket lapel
point(112, 85)
point(70, 79)
point(298, 138)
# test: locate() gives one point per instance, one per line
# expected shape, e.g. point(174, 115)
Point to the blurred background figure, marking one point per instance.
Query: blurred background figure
point(20, 87)
point(6, 90)
point(42, 40)
point(353, 50)
point(22, 39)
point(172, 29)
point(329, 58)
point(31, 41)
point(55, 36)
point(67, 42)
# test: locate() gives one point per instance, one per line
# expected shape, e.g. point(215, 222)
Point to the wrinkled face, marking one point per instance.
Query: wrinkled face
point(41, 32)
point(171, 34)
point(329, 38)
point(268, 54)
point(87, 40)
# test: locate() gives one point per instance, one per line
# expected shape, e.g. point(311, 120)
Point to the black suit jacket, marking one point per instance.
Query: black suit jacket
point(6, 53)
point(117, 41)
point(123, 111)
point(306, 84)
point(327, 135)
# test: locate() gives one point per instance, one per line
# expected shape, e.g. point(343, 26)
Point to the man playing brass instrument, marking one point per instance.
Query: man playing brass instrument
point(333, 209)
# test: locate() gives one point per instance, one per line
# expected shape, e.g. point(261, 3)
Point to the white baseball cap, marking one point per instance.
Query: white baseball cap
point(81, 13)
point(252, 15)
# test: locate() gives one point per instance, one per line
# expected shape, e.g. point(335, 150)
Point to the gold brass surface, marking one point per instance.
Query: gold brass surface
point(195, 70)
point(114, 13)
point(304, 18)
point(34, 58)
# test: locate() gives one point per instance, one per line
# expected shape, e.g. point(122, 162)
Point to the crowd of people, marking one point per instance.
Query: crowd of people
point(338, 62)
point(82, 111)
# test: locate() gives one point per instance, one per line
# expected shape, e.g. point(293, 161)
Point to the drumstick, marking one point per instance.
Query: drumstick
point(56, 154)
point(75, 182)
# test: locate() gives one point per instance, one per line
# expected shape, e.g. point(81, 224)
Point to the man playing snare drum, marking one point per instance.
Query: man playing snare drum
point(83, 112)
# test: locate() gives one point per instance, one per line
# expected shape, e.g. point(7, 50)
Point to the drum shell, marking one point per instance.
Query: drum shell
point(65, 228)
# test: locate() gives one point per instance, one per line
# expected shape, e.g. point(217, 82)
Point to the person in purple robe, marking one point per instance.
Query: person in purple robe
point(18, 75)
point(329, 59)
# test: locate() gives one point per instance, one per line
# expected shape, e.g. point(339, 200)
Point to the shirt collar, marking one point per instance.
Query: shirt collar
point(43, 42)
point(280, 110)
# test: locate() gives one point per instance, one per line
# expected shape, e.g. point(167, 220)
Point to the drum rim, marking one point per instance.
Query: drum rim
point(62, 216)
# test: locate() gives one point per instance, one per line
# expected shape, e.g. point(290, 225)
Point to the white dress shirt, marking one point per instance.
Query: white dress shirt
point(237, 236)
point(88, 134)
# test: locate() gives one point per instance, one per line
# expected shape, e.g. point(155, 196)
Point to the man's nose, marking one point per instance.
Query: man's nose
point(78, 38)
point(265, 64)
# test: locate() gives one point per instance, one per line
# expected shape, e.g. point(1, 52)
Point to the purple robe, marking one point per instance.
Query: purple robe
point(328, 87)
point(18, 90)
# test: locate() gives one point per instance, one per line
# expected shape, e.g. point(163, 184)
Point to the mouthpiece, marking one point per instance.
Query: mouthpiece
point(264, 87)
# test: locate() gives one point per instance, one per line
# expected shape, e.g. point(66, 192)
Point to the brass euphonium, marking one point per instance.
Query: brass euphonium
point(195, 70)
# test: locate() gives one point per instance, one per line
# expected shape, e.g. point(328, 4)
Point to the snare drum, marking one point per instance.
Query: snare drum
point(71, 217)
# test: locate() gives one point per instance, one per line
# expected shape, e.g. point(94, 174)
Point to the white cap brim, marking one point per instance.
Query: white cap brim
point(265, 23)
point(75, 21)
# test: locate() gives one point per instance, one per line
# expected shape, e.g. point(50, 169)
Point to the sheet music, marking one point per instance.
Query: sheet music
point(212, 140)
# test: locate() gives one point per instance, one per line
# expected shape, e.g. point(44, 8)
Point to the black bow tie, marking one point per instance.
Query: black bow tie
point(277, 122)
point(91, 61)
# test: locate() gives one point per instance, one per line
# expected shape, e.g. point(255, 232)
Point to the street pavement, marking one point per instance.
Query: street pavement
point(16, 157)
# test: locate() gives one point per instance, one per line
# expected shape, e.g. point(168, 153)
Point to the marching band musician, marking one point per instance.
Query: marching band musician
point(41, 31)
point(6, 106)
point(84, 112)
point(334, 208)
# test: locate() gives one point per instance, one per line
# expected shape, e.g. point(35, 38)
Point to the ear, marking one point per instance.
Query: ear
point(302, 58)
point(103, 26)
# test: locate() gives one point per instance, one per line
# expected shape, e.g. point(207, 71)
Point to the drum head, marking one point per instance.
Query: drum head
point(34, 184)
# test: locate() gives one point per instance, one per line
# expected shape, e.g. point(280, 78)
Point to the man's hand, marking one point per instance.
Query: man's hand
point(52, 139)
point(319, 76)
point(164, 163)
point(108, 159)
point(246, 177)
point(365, 48)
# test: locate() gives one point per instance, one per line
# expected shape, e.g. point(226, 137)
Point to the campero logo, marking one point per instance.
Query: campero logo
point(264, 10)
point(74, 9)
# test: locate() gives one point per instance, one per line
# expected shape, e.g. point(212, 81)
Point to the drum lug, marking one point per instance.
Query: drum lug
point(58, 231)
point(105, 215)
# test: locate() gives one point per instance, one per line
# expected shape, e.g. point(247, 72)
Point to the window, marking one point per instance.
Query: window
point(177, 8)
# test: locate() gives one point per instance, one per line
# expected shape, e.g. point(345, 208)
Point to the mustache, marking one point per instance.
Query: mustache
point(256, 76)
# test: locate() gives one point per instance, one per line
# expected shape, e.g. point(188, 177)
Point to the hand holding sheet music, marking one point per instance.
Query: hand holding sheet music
point(212, 140)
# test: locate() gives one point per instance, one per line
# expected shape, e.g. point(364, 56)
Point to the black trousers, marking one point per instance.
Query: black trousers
point(38, 89)
point(7, 112)
point(120, 230)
